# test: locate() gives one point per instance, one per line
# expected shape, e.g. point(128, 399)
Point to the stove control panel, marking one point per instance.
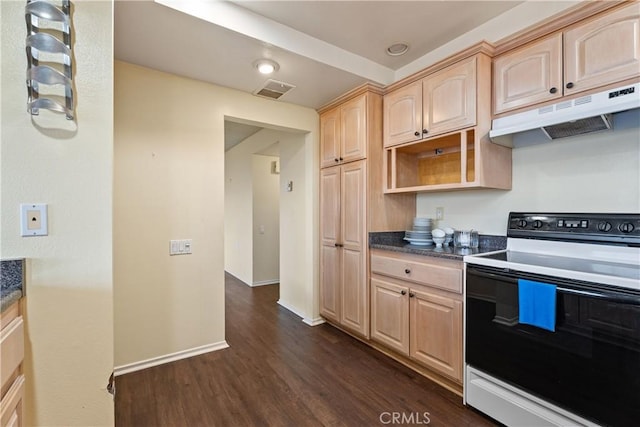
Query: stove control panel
point(605, 228)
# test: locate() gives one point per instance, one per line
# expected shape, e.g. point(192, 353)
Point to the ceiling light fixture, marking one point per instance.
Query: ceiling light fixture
point(266, 66)
point(397, 49)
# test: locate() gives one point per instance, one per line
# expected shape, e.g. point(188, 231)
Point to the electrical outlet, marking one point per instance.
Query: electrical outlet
point(439, 214)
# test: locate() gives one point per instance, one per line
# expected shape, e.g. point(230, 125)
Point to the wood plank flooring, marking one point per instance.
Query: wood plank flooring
point(280, 372)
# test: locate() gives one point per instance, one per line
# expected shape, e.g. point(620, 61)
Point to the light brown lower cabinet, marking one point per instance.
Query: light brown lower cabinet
point(11, 357)
point(416, 310)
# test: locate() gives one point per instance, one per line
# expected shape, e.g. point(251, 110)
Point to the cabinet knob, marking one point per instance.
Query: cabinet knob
point(417, 133)
point(407, 271)
point(403, 292)
point(425, 131)
point(553, 90)
point(336, 160)
point(341, 159)
point(338, 245)
point(569, 85)
point(411, 295)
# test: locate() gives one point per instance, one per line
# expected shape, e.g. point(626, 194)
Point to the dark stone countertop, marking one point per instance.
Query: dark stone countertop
point(393, 241)
point(11, 282)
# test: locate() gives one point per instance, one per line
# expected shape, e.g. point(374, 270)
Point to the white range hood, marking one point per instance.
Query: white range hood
point(590, 113)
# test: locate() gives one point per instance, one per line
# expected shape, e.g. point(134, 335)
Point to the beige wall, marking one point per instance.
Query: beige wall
point(295, 222)
point(238, 207)
point(599, 172)
point(169, 184)
point(266, 221)
point(69, 302)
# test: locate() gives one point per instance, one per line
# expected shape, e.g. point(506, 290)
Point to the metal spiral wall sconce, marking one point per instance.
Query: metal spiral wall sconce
point(49, 57)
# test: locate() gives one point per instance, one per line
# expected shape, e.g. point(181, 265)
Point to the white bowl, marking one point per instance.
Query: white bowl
point(438, 233)
point(439, 241)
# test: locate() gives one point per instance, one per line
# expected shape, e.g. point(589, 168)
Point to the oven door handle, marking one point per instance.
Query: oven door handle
point(513, 277)
point(613, 297)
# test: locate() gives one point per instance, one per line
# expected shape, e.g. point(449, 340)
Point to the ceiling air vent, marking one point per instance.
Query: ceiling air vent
point(273, 89)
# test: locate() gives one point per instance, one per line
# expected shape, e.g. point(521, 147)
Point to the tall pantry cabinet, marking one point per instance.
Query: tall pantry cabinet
point(352, 203)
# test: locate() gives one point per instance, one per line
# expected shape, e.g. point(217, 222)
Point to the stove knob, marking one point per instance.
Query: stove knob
point(604, 226)
point(626, 227)
point(537, 223)
point(522, 223)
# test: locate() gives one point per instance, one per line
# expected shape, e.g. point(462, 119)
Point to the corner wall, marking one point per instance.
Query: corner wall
point(169, 184)
point(266, 221)
point(69, 284)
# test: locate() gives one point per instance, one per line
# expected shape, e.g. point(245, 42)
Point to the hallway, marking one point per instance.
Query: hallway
point(280, 372)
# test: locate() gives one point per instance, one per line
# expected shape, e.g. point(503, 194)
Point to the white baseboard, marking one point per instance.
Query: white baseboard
point(265, 282)
point(314, 322)
point(161, 360)
point(290, 308)
point(310, 322)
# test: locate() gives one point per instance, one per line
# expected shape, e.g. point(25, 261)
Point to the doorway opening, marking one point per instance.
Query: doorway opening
point(265, 209)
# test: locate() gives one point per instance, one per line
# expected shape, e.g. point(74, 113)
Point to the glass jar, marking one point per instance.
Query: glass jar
point(465, 239)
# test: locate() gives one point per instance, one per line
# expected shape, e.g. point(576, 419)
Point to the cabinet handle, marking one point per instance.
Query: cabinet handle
point(403, 292)
point(407, 271)
point(336, 160)
point(553, 90)
point(341, 159)
point(411, 295)
point(417, 133)
point(569, 85)
point(425, 131)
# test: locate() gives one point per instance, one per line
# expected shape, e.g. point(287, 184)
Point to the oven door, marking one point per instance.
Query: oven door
point(589, 366)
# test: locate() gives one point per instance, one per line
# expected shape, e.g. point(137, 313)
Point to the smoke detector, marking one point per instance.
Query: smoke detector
point(273, 89)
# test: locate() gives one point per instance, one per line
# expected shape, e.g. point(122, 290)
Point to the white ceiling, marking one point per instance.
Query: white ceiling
point(324, 48)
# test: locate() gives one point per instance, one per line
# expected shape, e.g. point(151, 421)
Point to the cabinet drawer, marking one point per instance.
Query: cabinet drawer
point(11, 348)
point(423, 272)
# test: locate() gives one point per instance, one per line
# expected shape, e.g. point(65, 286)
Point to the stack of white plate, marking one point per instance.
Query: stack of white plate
point(421, 233)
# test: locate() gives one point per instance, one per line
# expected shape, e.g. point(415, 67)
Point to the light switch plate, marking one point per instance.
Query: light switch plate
point(33, 219)
point(180, 247)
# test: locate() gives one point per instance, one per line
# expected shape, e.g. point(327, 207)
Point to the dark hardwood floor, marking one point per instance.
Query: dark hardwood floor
point(280, 372)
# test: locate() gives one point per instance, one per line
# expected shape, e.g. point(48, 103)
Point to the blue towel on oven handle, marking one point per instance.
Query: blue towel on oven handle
point(537, 304)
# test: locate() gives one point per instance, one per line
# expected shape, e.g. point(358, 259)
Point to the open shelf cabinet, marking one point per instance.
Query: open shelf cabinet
point(456, 160)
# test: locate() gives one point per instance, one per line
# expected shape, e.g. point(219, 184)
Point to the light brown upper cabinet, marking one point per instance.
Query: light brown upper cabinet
point(451, 150)
point(343, 133)
point(602, 51)
point(439, 103)
point(591, 54)
point(528, 75)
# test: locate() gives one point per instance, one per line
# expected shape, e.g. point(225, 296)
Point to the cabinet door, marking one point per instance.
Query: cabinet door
point(354, 296)
point(603, 51)
point(529, 75)
point(353, 202)
point(390, 315)
point(11, 412)
point(436, 332)
point(330, 269)
point(353, 129)
point(403, 115)
point(449, 99)
point(330, 138)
